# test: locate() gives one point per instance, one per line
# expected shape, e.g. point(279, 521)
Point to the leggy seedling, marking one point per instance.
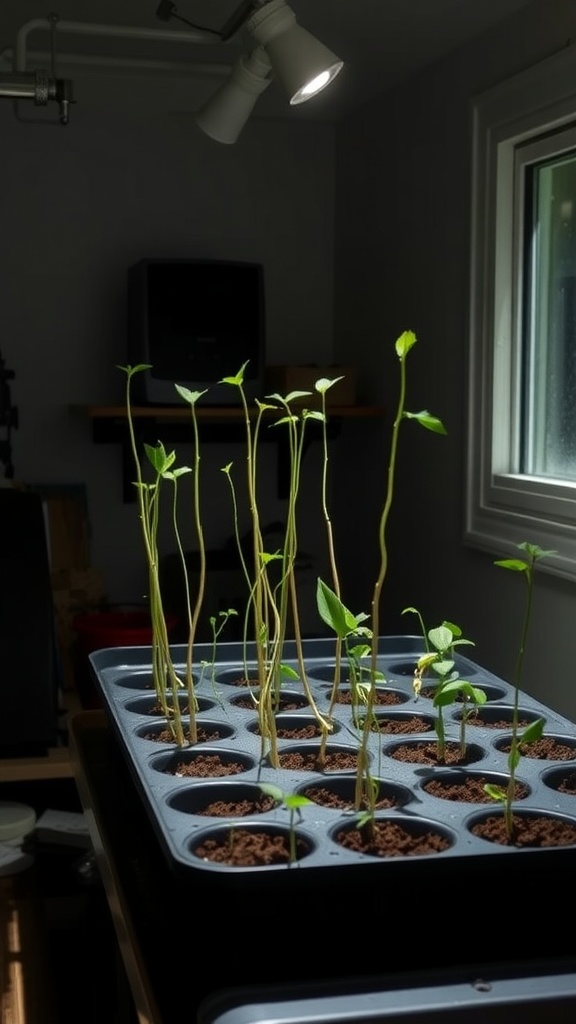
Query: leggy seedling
point(364, 788)
point(293, 802)
point(533, 731)
point(166, 680)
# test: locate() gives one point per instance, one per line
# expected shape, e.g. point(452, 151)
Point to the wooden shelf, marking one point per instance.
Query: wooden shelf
point(222, 423)
point(209, 412)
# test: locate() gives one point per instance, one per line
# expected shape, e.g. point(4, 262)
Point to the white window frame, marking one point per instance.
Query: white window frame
point(503, 507)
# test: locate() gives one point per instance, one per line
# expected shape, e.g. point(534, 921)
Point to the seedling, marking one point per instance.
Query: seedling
point(292, 802)
point(403, 346)
point(533, 731)
point(439, 657)
point(217, 624)
point(164, 674)
point(331, 608)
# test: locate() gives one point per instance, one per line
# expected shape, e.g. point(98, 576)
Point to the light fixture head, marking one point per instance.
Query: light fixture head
point(300, 62)
point(224, 115)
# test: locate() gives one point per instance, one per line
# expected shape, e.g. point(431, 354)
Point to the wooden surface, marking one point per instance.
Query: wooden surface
point(26, 991)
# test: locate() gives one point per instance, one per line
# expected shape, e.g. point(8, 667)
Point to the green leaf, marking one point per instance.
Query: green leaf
point(274, 791)
point(454, 629)
point(285, 419)
point(263, 406)
point(266, 557)
point(404, 343)
point(426, 660)
point(359, 651)
point(426, 419)
point(294, 800)
point(496, 792)
point(323, 384)
point(443, 666)
point(333, 612)
point(441, 638)
point(516, 564)
point(288, 672)
point(534, 550)
point(293, 395)
point(475, 693)
point(131, 370)
point(533, 731)
point(238, 380)
point(160, 460)
point(189, 396)
point(446, 694)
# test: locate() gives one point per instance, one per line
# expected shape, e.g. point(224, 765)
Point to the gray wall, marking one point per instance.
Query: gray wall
point(80, 204)
point(402, 260)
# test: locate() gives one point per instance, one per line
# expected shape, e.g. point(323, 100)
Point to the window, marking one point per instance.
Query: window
point(521, 448)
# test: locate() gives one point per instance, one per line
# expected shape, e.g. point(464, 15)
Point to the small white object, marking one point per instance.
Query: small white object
point(16, 822)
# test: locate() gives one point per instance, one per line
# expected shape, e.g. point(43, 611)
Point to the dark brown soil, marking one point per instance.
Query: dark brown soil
point(502, 723)
point(326, 798)
point(211, 766)
point(285, 703)
point(426, 752)
point(246, 848)
point(391, 839)
point(536, 830)
point(401, 726)
point(568, 784)
point(469, 790)
point(237, 808)
point(310, 731)
point(167, 736)
point(382, 697)
point(335, 761)
point(545, 749)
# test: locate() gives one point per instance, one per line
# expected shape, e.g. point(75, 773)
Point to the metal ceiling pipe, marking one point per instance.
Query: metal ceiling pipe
point(111, 31)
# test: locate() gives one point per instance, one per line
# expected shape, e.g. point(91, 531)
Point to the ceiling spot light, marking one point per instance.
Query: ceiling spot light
point(300, 62)
point(226, 112)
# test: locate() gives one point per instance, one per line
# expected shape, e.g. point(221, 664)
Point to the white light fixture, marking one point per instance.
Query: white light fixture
point(300, 62)
point(302, 65)
point(226, 112)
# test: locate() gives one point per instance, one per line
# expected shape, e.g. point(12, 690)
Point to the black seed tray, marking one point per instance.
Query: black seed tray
point(124, 679)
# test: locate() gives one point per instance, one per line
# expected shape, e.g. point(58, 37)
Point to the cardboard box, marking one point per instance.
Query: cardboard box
point(284, 379)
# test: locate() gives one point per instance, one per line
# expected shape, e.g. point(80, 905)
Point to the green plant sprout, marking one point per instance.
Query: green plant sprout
point(533, 731)
point(449, 686)
point(165, 677)
point(345, 625)
point(286, 591)
point(292, 802)
point(269, 601)
point(321, 387)
point(404, 343)
point(174, 476)
point(260, 605)
point(216, 630)
point(192, 397)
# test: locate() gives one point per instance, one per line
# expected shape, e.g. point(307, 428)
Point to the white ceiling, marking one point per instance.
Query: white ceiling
point(381, 41)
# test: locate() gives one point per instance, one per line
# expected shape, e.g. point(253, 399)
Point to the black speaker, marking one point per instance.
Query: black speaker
point(28, 653)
